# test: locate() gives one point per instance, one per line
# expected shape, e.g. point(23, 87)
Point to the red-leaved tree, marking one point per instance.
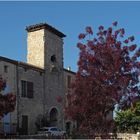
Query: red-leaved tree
point(7, 101)
point(108, 71)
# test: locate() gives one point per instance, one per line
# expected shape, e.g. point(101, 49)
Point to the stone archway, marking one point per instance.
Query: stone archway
point(53, 117)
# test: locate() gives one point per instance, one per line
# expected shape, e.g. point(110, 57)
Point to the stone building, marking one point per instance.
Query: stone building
point(40, 85)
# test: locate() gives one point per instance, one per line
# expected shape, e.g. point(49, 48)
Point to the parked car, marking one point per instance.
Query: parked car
point(51, 131)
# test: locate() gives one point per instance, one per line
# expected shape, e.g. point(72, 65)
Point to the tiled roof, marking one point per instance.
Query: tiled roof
point(36, 27)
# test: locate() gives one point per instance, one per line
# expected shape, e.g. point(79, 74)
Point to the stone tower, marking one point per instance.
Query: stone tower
point(45, 50)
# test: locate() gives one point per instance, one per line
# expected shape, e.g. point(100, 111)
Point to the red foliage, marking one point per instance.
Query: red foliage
point(106, 73)
point(132, 47)
point(7, 101)
point(122, 32)
point(126, 41)
point(81, 36)
point(89, 30)
point(2, 84)
point(101, 27)
point(115, 23)
point(131, 38)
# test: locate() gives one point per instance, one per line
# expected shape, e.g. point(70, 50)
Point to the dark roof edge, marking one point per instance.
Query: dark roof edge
point(22, 64)
point(36, 27)
point(69, 71)
point(25, 65)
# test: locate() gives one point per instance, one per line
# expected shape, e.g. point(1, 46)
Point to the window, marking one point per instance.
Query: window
point(6, 69)
point(53, 58)
point(26, 89)
point(68, 81)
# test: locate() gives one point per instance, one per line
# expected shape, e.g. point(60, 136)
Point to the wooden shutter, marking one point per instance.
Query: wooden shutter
point(23, 89)
point(29, 89)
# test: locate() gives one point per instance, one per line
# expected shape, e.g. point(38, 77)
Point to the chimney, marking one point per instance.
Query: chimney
point(69, 68)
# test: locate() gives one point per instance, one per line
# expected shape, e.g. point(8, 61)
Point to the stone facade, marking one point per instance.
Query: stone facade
point(69, 77)
point(43, 76)
point(35, 49)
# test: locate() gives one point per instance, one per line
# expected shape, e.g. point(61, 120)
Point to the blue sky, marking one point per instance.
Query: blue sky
point(69, 17)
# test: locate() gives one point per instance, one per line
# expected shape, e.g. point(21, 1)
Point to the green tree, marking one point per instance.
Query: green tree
point(129, 120)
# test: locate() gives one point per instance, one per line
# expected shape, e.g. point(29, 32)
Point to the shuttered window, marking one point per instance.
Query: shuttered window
point(27, 89)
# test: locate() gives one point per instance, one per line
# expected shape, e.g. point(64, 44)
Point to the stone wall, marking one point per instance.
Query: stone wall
point(66, 74)
point(128, 136)
point(53, 46)
point(31, 107)
point(68, 90)
point(54, 80)
point(35, 49)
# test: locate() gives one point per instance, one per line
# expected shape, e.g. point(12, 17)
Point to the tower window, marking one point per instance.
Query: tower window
point(53, 58)
point(6, 69)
